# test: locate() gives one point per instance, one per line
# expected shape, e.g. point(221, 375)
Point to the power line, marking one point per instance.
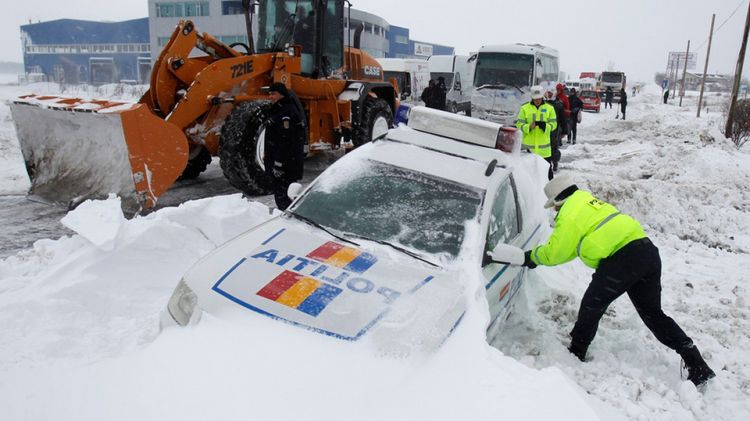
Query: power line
point(722, 24)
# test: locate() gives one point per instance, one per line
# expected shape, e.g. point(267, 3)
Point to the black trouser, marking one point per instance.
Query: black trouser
point(622, 108)
point(550, 172)
point(280, 188)
point(574, 126)
point(608, 103)
point(635, 269)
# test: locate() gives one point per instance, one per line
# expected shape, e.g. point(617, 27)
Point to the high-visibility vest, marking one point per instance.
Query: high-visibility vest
point(537, 140)
point(588, 228)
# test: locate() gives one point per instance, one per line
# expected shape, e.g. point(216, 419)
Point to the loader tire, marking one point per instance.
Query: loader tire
point(377, 118)
point(239, 149)
point(197, 163)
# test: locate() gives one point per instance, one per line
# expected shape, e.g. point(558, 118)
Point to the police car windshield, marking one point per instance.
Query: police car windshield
point(396, 205)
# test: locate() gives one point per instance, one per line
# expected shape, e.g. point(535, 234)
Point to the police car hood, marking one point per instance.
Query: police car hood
point(290, 271)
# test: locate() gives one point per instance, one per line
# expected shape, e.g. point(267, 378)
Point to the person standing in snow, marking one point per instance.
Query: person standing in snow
point(623, 102)
point(576, 106)
point(440, 94)
point(666, 96)
point(563, 120)
point(608, 95)
point(285, 142)
point(625, 261)
point(555, 136)
point(537, 121)
point(428, 94)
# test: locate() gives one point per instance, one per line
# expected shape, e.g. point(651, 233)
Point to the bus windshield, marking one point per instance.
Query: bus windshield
point(510, 69)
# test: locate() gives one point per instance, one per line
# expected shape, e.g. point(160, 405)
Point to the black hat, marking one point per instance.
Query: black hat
point(279, 87)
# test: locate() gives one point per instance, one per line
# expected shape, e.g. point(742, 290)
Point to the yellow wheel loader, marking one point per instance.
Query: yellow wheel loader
point(206, 99)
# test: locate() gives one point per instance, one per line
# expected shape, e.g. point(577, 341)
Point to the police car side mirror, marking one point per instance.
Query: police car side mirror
point(506, 254)
point(294, 190)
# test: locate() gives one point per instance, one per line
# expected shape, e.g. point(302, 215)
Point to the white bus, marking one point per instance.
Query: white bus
point(503, 76)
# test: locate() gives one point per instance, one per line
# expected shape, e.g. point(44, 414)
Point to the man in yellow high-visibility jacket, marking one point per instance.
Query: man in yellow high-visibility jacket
point(625, 260)
point(537, 120)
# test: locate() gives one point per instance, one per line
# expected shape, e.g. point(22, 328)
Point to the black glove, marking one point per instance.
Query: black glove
point(527, 260)
point(542, 125)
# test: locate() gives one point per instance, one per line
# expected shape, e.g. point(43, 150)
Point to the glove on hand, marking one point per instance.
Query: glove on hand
point(527, 260)
point(542, 125)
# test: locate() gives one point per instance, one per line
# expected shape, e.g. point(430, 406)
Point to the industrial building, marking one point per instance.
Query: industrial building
point(77, 51)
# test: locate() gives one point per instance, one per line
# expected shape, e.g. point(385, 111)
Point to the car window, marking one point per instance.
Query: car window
point(388, 203)
point(504, 222)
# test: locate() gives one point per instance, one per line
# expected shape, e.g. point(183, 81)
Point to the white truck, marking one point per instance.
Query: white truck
point(412, 76)
point(458, 75)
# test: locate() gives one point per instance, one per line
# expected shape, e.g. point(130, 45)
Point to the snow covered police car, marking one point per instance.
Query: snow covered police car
point(388, 241)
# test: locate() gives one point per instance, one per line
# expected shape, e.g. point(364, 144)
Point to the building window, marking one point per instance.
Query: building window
point(231, 7)
point(400, 39)
point(182, 9)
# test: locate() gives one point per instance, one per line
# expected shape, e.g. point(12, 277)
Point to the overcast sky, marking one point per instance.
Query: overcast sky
point(634, 36)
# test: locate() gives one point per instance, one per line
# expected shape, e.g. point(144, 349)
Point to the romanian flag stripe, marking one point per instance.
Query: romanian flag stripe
point(347, 258)
point(319, 299)
point(279, 285)
point(325, 251)
point(297, 291)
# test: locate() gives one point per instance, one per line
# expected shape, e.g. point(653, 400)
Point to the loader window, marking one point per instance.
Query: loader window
point(333, 38)
point(277, 22)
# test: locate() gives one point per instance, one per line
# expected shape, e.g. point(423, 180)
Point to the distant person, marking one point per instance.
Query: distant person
point(440, 93)
point(428, 95)
point(625, 261)
point(623, 102)
point(285, 143)
point(555, 139)
point(633, 91)
point(563, 119)
point(666, 96)
point(576, 107)
point(537, 120)
point(608, 96)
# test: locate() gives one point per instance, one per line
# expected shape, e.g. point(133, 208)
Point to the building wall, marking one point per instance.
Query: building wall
point(75, 51)
point(402, 46)
point(224, 20)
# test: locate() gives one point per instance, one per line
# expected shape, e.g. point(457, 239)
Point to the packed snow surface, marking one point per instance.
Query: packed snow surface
point(80, 337)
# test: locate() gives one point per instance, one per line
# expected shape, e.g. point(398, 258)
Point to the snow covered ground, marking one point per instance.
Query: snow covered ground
point(79, 313)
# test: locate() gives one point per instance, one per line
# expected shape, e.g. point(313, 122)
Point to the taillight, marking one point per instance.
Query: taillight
point(507, 139)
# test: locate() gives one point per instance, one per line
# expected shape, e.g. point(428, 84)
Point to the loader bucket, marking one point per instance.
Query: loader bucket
point(76, 150)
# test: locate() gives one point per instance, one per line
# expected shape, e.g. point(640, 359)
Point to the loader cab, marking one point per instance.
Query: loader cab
point(314, 25)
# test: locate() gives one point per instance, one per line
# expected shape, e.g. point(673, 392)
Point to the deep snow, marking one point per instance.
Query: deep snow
point(79, 314)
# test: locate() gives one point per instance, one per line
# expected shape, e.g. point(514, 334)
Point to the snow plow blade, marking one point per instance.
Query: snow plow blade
point(76, 150)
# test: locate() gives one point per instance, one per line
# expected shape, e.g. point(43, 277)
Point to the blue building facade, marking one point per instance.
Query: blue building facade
point(402, 46)
point(77, 51)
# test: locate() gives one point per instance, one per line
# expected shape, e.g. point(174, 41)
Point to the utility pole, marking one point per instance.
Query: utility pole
point(737, 77)
point(674, 76)
point(705, 67)
point(684, 73)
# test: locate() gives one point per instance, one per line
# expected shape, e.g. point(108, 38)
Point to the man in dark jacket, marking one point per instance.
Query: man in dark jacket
point(666, 96)
point(429, 94)
point(440, 93)
point(623, 102)
point(556, 135)
point(608, 96)
point(576, 106)
point(625, 261)
point(285, 142)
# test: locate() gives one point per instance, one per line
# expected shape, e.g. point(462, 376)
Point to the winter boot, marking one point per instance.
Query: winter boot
point(698, 371)
point(578, 349)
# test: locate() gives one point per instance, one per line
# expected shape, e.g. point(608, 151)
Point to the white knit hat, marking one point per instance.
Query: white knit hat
point(556, 186)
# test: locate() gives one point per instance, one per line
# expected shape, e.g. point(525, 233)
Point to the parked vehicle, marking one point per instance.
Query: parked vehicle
point(504, 74)
point(457, 72)
point(614, 80)
point(412, 76)
point(592, 101)
point(382, 242)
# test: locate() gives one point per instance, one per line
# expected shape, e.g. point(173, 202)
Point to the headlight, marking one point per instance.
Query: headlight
point(182, 304)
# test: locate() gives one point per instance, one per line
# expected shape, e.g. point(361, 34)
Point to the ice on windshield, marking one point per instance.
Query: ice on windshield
point(387, 203)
